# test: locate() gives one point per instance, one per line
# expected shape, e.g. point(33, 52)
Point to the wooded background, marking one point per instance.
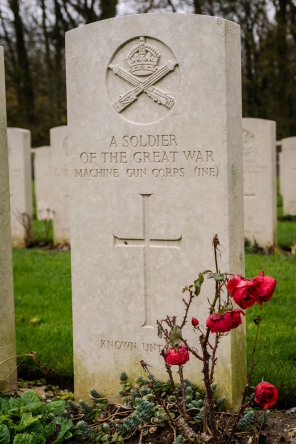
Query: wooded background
point(33, 35)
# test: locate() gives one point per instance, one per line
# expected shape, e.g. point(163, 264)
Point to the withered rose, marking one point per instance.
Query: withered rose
point(235, 315)
point(219, 323)
point(265, 286)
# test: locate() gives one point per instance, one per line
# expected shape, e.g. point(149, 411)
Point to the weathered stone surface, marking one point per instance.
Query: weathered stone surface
point(43, 182)
point(288, 175)
point(260, 204)
point(20, 180)
point(151, 183)
point(60, 182)
point(8, 374)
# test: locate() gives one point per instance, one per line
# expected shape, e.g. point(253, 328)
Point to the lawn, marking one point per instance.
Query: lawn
point(42, 289)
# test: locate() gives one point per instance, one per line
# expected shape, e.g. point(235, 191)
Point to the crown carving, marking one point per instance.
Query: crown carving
point(143, 59)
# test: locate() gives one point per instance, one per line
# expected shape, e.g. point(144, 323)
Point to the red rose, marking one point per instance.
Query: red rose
point(233, 282)
point(219, 323)
point(194, 322)
point(265, 286)
point(177, 356)
point(265, 394)
point(244, 293)
point(235, 315)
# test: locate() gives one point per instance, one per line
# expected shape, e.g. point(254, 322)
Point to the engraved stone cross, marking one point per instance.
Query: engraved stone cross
point(146, 242)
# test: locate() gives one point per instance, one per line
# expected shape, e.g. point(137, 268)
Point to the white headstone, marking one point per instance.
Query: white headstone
point(260, 201)
point(8, 374)
point(281, 178)
point(20, 179)
point(60, 184)
point(288, 175)
point(156, 171)
point(43, 182)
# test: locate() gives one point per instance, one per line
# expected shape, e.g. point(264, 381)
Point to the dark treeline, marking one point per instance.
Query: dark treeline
point(33, 35)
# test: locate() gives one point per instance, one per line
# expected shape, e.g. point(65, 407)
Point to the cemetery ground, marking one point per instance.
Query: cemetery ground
point(42, 286)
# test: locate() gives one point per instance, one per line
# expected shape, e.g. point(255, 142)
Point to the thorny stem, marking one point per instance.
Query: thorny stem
point(17, 356)
point(191, 349)
point(32, 355)
point(214, 359)
point(209, 395)
point(183, 390)
point(169, 372)
point(209, 400)
point(187, 304)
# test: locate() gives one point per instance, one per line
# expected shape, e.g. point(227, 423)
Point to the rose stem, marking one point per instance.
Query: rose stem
point(183, 389)
point(169, 371)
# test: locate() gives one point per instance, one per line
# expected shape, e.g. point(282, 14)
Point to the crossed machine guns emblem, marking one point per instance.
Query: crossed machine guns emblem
point(143, 60)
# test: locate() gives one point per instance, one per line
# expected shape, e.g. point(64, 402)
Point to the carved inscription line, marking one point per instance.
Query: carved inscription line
point(128, 345)
point(146, 243)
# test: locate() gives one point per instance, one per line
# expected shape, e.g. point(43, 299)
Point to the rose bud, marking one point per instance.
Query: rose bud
point(219, 323)
point(235, 315)
point(265, 394)
point(177, 356)
point(265, 286)
point(194, 322)
point(245, 293)
point(232, 283)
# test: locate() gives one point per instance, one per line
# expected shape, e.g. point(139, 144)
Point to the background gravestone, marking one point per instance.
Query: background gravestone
point(20, 180)
point(281, 176)
point(288, 175)
point(260, 204)
point(154, 108)
point(60, 184)
point(8, 374)
point(43, 182)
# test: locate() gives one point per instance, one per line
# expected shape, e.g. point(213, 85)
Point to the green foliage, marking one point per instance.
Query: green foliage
point(4, 434)
point(261, 420)
point(220, 402)
point(87, 410)
point(26, 420)
point(179, 440)
point(161, 387)
point(199, 417)
point(175, 335)
point(247, 419)
point(198, 283)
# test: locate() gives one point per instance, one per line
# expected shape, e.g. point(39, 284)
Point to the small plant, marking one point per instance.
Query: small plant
point(27, 222)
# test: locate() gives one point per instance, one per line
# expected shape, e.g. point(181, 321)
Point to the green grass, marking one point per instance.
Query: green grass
point(42, 288)
point(276, 350)
point(286, 227)
point(39, 226)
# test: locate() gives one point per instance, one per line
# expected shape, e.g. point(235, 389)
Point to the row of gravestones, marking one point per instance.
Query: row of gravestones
point(52, 180)
point(51, 184)
point(156, 170)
